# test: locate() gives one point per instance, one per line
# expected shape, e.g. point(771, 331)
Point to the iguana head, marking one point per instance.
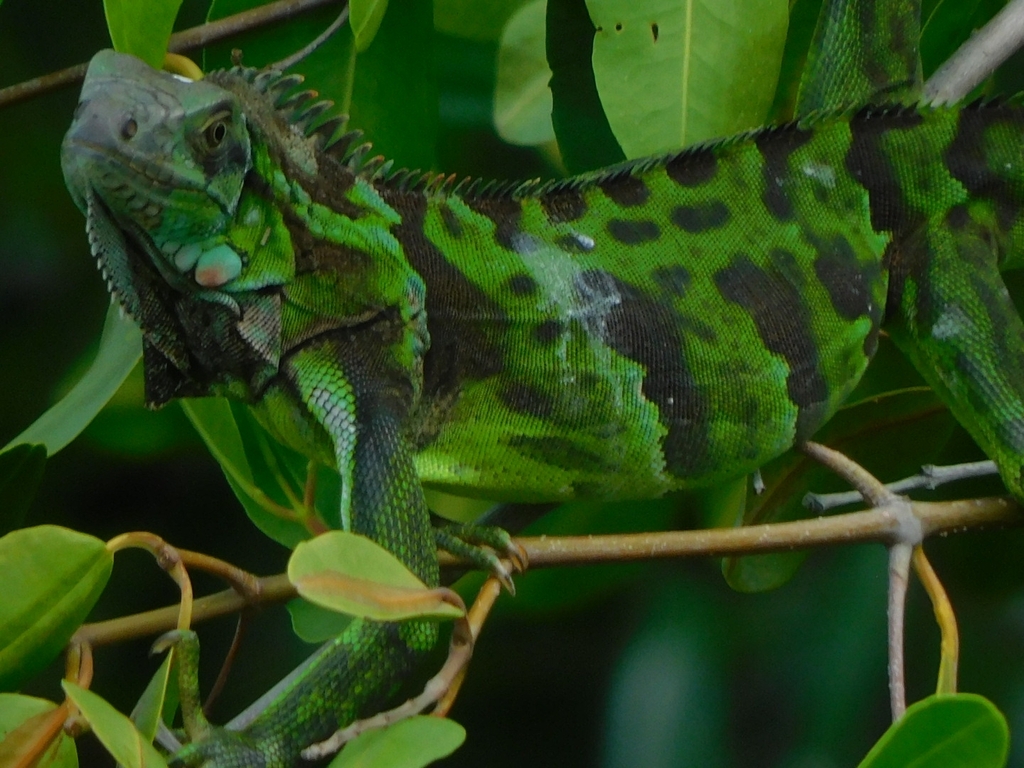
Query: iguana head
point(162, 160)
point(157, 164)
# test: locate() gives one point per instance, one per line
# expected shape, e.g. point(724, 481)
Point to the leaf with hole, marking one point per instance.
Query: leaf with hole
point(672, 74)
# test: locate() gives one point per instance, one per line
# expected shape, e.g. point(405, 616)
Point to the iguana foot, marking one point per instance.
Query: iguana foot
point(483, 546)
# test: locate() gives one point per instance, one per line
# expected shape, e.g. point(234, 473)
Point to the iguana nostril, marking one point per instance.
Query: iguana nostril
point(129, 129)
point(80, 108)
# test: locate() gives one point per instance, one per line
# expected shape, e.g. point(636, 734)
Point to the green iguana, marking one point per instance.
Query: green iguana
point(666, 323)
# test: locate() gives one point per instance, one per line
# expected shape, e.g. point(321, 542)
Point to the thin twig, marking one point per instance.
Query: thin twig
point(930, 478)
point(323, 37)
point(229, 661)
point(899, 577)
point(866, 484)
point(978, 57)
point(478, 614)
point(186, 40)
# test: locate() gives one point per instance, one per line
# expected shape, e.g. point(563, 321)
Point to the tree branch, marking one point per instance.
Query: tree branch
point(186, 40)
point(978, 57)
point(885, 525)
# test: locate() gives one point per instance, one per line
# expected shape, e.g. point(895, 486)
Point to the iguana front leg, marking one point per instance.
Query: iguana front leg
point(357, 407)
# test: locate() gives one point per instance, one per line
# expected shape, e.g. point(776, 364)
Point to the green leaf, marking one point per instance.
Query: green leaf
point(585, 139)
point(52, 577)
point(141, 27)
point(349, 573)
point(115, 731)
point(233, 439)
point(411, 743)
point(21, 469)
point(23, 721)
point(672, 74)
point(314, 624)
point(120, 349)
point(394, 89)
point(479, 20)
point(959, 731)
point(365, 16)
point(522, 98)
point(149, 708)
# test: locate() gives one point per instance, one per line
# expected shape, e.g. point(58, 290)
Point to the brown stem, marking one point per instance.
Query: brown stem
point(229, 660)
point(186, 40)
point(482, 606)
point(880, 525)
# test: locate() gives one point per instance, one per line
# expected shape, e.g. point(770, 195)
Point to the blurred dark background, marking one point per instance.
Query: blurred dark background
point(653, 665)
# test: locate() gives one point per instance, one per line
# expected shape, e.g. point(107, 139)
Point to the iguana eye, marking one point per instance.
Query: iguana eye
point(216, 130)
point(129, 129)
point(215, 134)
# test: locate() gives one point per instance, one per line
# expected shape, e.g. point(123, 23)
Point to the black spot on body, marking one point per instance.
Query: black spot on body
point(692, 167)
point(700, 218)
point(967, 162)
point(625, 189)
point(522, 285)
point(776, 145)
point(958, 217)
point(849, 282)
point(780, 315)
point(548, 332)
point(467, 327)
point(870, 165)
point(672, 280)
point(451, 221)
point(647, 331)
point(631, 232)
point(525, 398)
point(563, 205)
point(560, 452)
point(506, 214)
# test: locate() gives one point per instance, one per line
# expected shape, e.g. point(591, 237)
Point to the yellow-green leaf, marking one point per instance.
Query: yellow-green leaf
point(115, 731)
point(120, 349)
point(522, 96)
point(411, 743)
point(959, 731)
point(141, 27)
point(349, 573)
point(52, 577)
point(365, 17)
point(24, 722)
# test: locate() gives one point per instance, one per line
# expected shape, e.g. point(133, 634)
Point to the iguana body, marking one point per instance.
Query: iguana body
point(667, 323)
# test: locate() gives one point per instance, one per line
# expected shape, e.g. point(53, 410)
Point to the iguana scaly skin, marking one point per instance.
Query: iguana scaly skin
point(666, 323)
